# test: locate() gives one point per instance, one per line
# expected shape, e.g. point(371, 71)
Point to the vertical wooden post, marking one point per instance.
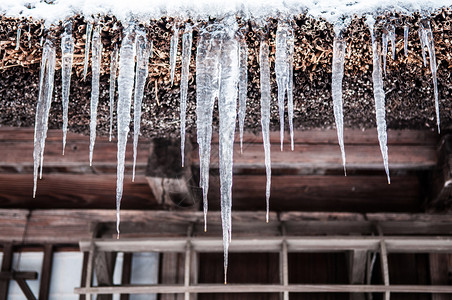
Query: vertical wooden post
point(357, 270)
point(126, 272)
point(6, 266)
point(384, 267)
point(46, 272)
point(89, 270)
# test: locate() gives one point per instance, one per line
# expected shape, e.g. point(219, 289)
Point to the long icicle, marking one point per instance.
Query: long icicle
point(290, 59)
point(19, 31)
point(227, 106)
point(125, 89)
point(392, 36)
point(113, 73)
point(140, 81)
point(339, 47)
point(207, 90)
point(281, 71)
point(173, 50)
point(423, 44)
point(96, 57)
point(384, 41)
point(67, 53)
point(187, 40)
point(265, 116)
point(43, 108)
point(379, 96)
point(243, 87)
point(429, 42)
point(405, 39)
point(89, 30)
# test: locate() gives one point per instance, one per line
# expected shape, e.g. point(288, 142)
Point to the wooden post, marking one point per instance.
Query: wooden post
point(171, 184)
point(441, 183)
point(126, 272)
point(384, 267)
point(440, 268)
point(357, 269)
point(46, 272)
point(6, 266)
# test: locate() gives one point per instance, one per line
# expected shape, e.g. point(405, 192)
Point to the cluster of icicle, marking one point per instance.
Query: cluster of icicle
point(221, 74)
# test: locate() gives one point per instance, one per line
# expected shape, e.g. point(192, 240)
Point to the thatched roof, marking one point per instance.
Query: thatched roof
point(408, 84)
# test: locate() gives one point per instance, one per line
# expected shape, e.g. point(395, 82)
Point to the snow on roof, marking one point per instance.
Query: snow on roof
point(143, 10)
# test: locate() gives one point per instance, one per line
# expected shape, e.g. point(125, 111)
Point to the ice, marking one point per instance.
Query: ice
point(339, 46)
point(207, 90)
point(428, 41)
point(391, 36)
point(96, 58)
point(282, 70)
point(243, 87)
point(125, 89)
point(173, 50)
point(43, 108)
point(141, 74)
point(405, 39)
point(384, 41)
point(89, 29)
point(67, 53)
point(19, 30)
point(113, 73)
point(187, 40)
point(422, 40)
point(290, 50)
point(379, 96)
point(227, 106)
point(265, 115)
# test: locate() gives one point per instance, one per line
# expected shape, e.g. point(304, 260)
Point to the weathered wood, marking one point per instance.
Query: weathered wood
point(172, 272)
point(126, 272)
point(46, 272)
point(70, 226)
point(25, 289)
point(441, 185)
point(268, 288)
point(22, 275)
point(7, 261)
point(104, 264)
point(440, 268)
point(84, 271)
point(171, 181)
point(384, 266)
point(357, 262)
point(73, 191)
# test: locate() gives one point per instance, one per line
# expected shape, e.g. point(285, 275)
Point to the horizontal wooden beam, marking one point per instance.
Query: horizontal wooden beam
point(71, 225)
point(267, 288)
point(393, 244)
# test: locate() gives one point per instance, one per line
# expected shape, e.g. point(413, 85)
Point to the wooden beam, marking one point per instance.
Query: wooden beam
point(357, 262)
point(6, 267)
point(171, 183)
point(267, 288)
point(25, 289)
point(441, 187)
point(104, 265)
point(126, 272)
point(46, 272)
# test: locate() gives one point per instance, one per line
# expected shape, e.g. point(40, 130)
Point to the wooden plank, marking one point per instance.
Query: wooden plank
point(73, 191)
point(104, 264)
point(267, 288)
point(46, 272)
point(84, 271)
point(25, 289)
point(441, 183)
point(126, 272)
point(440, 268)
point(384, 267)
point(172, 271)
point(6, 267)
point(22, 275)
point(357, 270)
point(323, 193)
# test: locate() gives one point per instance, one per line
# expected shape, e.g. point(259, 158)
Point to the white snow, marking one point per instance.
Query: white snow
point(143, 10)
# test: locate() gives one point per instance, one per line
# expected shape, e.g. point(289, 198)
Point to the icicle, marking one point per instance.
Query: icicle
point(243, 87)
point(384, 40)
point(379, 96)
point(423, 44)
point(29, 37)
point(282, 71)
point(173, 50)
point(339, 47)
point(187, 40)
point(96, 58)
point(19, 31)
point(265, 115)
point(113, 72)
point(67, 53)
point(391, 35)
point(140, 81)
point(207, 89)
point(43, 108)
point(291, 50)
point(151, 50)
point(89, 29)
point(41, 41)
point(125, 88)
point(405, 39)
point(428, 41)
point(227, 106)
